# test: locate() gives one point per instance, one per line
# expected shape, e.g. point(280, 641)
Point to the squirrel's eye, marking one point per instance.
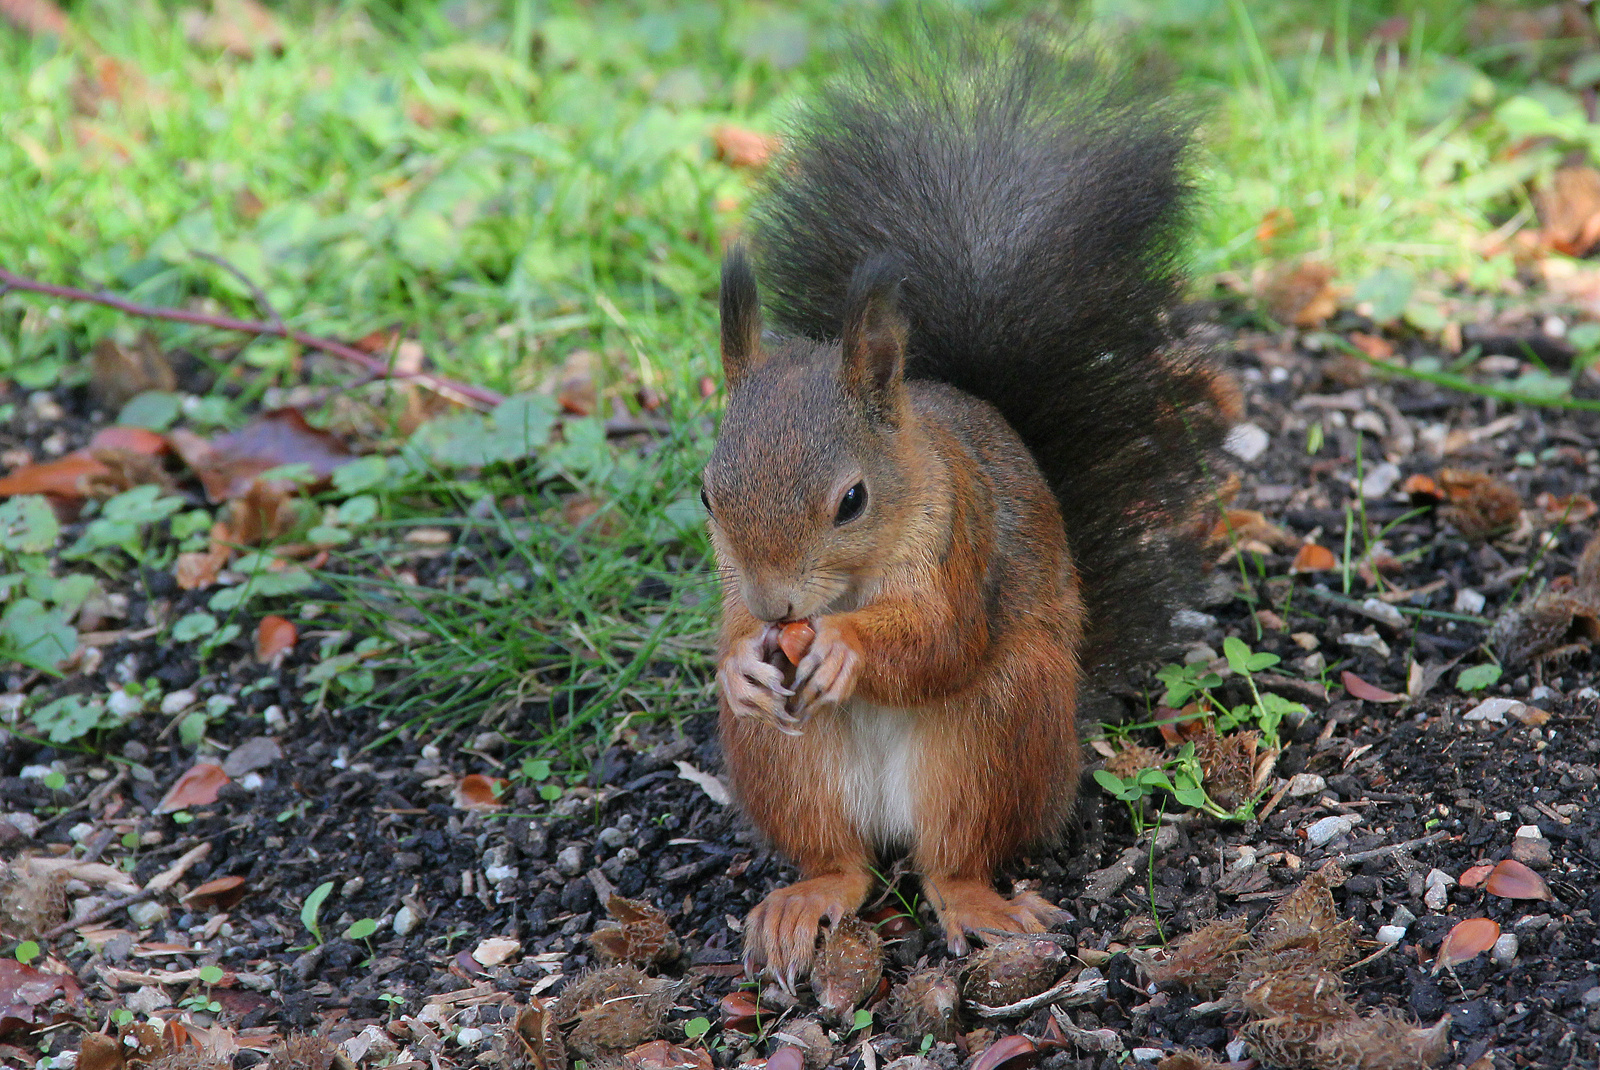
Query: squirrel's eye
point(705, 499)
point(850, 506)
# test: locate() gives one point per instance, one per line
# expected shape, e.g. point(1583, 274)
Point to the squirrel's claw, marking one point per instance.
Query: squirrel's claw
point(780, 934)
point(827, 675)
point(754, 688)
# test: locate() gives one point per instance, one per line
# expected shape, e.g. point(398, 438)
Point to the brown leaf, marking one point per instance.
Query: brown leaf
point(228, 464)
point(1570, 210)
point(1363, 690)
point(1480, 505)
point(198, 569)
point(132, 439)
point(26, 990)
point(1468, 940)
point(119, 373)
point(1372, 345)
point(224, 893)
point(1014, 1053)
point(125, 469)
point(264, 513)
point(738, 147)
point(1313, 558)
point(1475, 875)
point(740, 1012)
point(1247, 525)
point(478, 792)
point(65, 477)
point(275, 637)
point(1511, 879)
point(198, 786)
point(662, 1055)
point(1301, 294)
point(100, 1052)
point(1423, 490)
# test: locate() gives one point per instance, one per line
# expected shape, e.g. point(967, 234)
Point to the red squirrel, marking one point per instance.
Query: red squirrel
point(969, 456)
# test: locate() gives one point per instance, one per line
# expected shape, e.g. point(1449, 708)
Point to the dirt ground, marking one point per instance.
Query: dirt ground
point(1409, 793)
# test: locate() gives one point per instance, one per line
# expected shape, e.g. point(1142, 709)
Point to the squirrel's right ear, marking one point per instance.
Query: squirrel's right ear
point(741, 316)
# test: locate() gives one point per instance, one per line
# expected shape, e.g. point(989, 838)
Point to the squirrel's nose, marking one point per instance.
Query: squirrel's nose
point(769, 605)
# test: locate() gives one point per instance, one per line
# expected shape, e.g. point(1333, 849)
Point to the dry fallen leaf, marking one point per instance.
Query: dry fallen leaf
point(119, 373)
point(1313, 558)
point(1511, 879)
point(662, 1055)
point(1363, 690)
point(1012, 1052)
point(223, 893)
point(1301, 294)
point(493, 950)
point(275, 637)
point(228, 464)
point(1570, 210)
point(1468, 940)
point(478, 792)
point(1475, 875)
point(65, 477)
point(132, 439)
point(198, 786)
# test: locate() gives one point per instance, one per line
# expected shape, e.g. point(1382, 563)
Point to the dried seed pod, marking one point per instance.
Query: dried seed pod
point(1306, 920)
point(31, 902)
point(1382, 1042)
point(1550, 627)
point(926, 1002)
point(1127, 762)
point(1301, 994)
point(615, 1008)
point(849, 967)
point(806, 1034)
point(1012, 970)
point(1229, 763)
point(1189, 1060)
point(640, 937)
point(532, 1039)
point(1480, 505)
point(1286, 1042)
point(1207, 959)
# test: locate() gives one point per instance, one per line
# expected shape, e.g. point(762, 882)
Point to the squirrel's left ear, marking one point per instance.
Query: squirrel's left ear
point(875, 332)
point(741, 317)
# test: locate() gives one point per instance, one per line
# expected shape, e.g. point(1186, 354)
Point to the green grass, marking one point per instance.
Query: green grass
point(512, 183)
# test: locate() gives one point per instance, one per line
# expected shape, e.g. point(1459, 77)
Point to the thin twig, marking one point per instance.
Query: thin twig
point(476, 395)
point(1393, 848)
point(256, 293)
point(99, 913)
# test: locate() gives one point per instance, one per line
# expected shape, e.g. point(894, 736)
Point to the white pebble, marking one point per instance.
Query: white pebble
point(405, 921)
point(1493, 710)
point(1303, 784)
point(123, 704)
point(469, 1035)
point(1504, 952)
point(497, 874)
point(1529, 832)
point(1320, 832)
point(1148, 1055)
point(1391, 934)
point(1380, 480)
point(146, 914)
point(1382, 612)
point(1247, 442)
point(80, 832)
point(1469, 601)
point(178, 701)
point(1366, 641)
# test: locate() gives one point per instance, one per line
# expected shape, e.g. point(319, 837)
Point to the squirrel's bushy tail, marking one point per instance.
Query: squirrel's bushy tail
point(1037, 201)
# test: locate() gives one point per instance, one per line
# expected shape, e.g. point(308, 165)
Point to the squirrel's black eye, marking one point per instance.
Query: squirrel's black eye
point(705, 499)
point(850, 506)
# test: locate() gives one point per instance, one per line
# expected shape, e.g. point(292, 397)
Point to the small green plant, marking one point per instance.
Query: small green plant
point(393, 999)
point(927, 1044)
point(26, 952)
point(122, 1016)
point(1478, 677)
point(695, 1028)
point(863, 1020)
point(312, 907)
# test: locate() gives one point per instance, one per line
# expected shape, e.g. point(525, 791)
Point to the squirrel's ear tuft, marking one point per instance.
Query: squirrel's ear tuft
point(741, 316)
point(875, 332)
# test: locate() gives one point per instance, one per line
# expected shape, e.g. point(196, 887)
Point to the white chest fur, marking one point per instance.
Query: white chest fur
point(878, 773)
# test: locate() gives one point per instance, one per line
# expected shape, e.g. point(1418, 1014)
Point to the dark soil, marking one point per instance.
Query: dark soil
point(381, 825)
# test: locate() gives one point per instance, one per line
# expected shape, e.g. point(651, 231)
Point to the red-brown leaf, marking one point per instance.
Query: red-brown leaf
point(1511, 879)
point(274, 639)
point(740, 1011)
point(1475, 876)
point(228, 464)
point(1468, 940)
point(1313, 558)
point(223, 893)
point(133, 439)
point(788, 1057)
point(65, 477)
point(661, 1055)
point(1012, 1052)
point(1363, 690)
point(478, 792)
point(196, 787)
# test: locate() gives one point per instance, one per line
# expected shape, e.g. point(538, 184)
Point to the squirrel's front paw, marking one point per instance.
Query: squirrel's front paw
point(827, 675)
point(753, 687)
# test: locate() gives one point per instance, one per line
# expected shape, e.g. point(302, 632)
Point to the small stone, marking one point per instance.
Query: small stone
point(1438, 877)
point(1504, 952)
point(1436, 897)
point(1529, 832)
point(1382, 612)
point(1469, 601)
point(499, 874)
point(405, 921)
point(612, 837)
point(1329, 828)
point(123, 704)
point(570, 861)
point(274, 718)
point(1149, 1055)
point(1492, 710)
point(1380, 480)
point(469, 1035)
point(1402, 917)
point(1368, 640)
point(1247, 442)
point(372, 1039)
point(1542, 694)
point(80, 832)
point(1535, 854)
point(1391, 934)
point(147, 1000)
point(177, 701)
point(146, 914)
point(1304, 784)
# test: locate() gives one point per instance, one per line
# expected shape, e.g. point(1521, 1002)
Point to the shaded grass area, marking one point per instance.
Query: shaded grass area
point(511, 186)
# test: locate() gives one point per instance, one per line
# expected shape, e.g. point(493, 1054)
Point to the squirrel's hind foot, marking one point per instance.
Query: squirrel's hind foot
point(973, 907)
point(781, 932)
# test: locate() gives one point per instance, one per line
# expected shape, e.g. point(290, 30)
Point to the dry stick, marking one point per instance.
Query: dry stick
point(477, 395)
point(1394, 848)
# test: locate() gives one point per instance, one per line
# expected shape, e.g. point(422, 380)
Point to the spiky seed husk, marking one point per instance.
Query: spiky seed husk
point(1305, 995)
point(1307, 920)
point(813, 1041)
point(532, 1041)
point(1382, 1042)
point(31, 902)
point(1130, 759)
point(927, 1001)
point(1189, 1060)
point(640, 935)
point(1207, 959)
point(849, 967)
point(1229, 763)
point(615, 1008)
point(1012, 970)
